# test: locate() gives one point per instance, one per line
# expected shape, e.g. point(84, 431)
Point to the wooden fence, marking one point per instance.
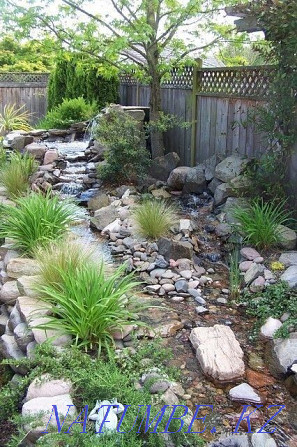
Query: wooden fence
point(28, 89)
point(219, 103)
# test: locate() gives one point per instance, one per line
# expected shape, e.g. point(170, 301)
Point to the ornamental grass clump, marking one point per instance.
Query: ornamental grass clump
point(15, 174)
point(36, 220)
point(85, 303)
point(13, 118)
point(260, 222)
point(154, 218)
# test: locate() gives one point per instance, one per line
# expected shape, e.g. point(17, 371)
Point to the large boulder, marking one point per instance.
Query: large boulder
point(38, 150)
point(218, 352)
point(104, 216)
point(287, 237)
point(177, 178)
point(222, 192)
point(175, 249)
point(290, 276)
point(289, 258)
point(195, 181)
point(230, 168)
point(18, 267)
point(161, 167)
point(101, 200)
point(210, 167)
point(17, 141)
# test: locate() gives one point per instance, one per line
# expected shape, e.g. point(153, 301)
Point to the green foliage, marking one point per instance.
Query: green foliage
point(127, 157)
point(154, 218)
point(166, 122)
point(15, 174)
point(68, 112)
point(78, 76)
point(14, 118)
point(234, 276)
point(36, 220)
point(274, 302)
point(259, 222)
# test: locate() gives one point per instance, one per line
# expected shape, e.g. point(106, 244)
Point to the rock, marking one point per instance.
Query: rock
point(230, 168)
point(212, 186)
point(31, 308)
point(44, 405)
point(195, 180)
point(161, 193)
point(10, 254)
point(249, 253)
point(177, 178)
point(169, 398)
point(23, 336)
point(168, 287)
point(245, 393)
point(282, 354)
point(157, 273)
point(258, 284)
point(175, 249)
point(245, 265)
point(31, 349)
point(231, 441)
point(50, 156)
point(10, 350)
point(113, 227)
point(290, 276)
point(104, 216)
point(44, 386)
point(259, 260)
point(18, 267)
point(222, 192)
point(25, 285)
point(289, 258)
point(201, 310)
point(161, 263)
point(218, 352)
point(9, 292)
point(36, 149)
point(262, 440)
point(230, 205)
point(240, 185)
point(161, 167)
point(253, 272)
point(223, 230)
point(99, 201)
point(270, 327)
point(187, 274)
point(259, 379)
point(287, 237)
point(42, 335)
point(209, 167)
point(14, 318)
point(185, 225)
point(159, 387)
point(181, 286)
point(16, 141)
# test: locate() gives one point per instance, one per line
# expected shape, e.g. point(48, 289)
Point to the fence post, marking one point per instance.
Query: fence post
point(195, 89)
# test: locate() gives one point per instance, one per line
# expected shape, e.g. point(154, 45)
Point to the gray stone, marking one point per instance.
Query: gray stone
point(245, 265)
point(289, 258)
point(222, 192)
point(245, 393)
point(181, 286)
point(36, 149)
point(175, 249)
point(209, 167)
point(231, 441)
point(253, 272)
point(212, 186)
point(26, 286)
point(258, 284)
point(218, 352)
point(282, 354)
point(101, 200)
point(187, 274)
point(157, 273)
point(168, 287)
point(195, 180)
point(16, 141)
point(201, 310)
point(177, 177)
point(262, 440)
point(9, 292)
point(230, 168)
point(200, 300)
point(56, 337)
point(10, 350)
point(9, 255)
point(50, 156)
point(287, 237)
point(240, 185)
point(31, 308)
point(18, 267)
point(230, 205)
point(104, 216)
point(31, 349)
point(159, 387)
point(290, 276)
point(23, 336)
point(223, 230)
point(222, 300)
point(161, 167)
point(14, 318)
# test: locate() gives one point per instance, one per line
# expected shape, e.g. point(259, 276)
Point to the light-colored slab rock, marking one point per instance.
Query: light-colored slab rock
point(218, 352)
point(56, 337)
point(270, 327)
point(253, 272)
point(289, 258)
point(284, 354)
point(26, 286)
point(290, 276)
point(31, 308)
point(104, 216)
point(9, 292)
point(245, 393)
point(288, 237)
point(18, 267)
point(249, 253)
point(230, 168)
point(222, 192)
point(45, 386)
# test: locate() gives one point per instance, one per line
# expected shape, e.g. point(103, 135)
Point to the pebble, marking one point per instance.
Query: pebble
point(200, 300)
point(225, 291)
point(245, 265)
point(177, 299)
point(157, 273)
point(211, 270)
point(168, 287)
point(201, 310)
point(269, 328)
point(249, 253)
point(259, 260)
point(168, 274)
point(187, 274)
point(222, 300)
point(181, 285)
point(193, 284)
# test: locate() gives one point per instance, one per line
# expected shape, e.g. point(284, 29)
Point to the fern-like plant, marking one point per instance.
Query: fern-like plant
point(15, 174)
point(13, 118)
point(154, 218)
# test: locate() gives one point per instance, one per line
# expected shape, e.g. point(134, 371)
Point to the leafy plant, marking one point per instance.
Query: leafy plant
point(234, 276)
point(259, 222)
point(15, 174)
point(36, 220)
point(274, 301)
point(86, 304)
point(68, 112)
point(127, 157)
point(13, 118)
point(154, 218)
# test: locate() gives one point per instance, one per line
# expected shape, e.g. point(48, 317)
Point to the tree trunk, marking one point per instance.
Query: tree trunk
point(157, 141)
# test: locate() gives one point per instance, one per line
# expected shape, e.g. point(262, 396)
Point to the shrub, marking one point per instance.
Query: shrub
point(85, 303)
point(259, 222)
point(15, 174)
point(36, 220)
point(127, 157)
point(14, 118)
point(69, 112)
point(154, 218)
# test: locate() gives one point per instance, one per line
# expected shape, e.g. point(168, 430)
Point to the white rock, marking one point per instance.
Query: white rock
point(56, 337)
point(9, 292)
point(290, 276)
point(245, 393)
point(218, 352)
point(187, 274)
point(289, 258)
point(18, 267)
point(44, 386)
point(114, 227)
point(270, 327)
point(185, 225)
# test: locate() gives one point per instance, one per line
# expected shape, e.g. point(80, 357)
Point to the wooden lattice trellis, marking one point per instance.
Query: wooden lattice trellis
point(177, 79)
point(252, 82)
point(27, 78)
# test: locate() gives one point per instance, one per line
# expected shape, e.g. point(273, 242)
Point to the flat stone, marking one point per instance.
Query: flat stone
point(187, 274)
point(18, 267)
point(44, 386)
point(230, 168)
point(258, 284)
point(175, 249)
point(38, 150)
point(168, 274)
point(245, 393)
point(245, 265)
point(249, 253)
point(181, 286)
point(30, 308)
point(42, 335)
point(258, 260)
point(289, 258)
point(201, 310)
point(253, 272)
point(218, 352)
point(168, 329)
point(168, 287)
point(185, 225)
point(9, 292)
point(26, 286)
point(290, 276)
point(157, 273)
point(288, 237)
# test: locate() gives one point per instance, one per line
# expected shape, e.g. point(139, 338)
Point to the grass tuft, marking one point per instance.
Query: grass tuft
point(154, 218)
point(15, 174)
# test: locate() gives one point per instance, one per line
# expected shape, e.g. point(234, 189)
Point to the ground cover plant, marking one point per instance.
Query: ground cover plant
point(259, 222)
point(15, 174)
point(85, 303)
point(14, 118)
point(36, 220)
point(154, 218)
point(68, 112)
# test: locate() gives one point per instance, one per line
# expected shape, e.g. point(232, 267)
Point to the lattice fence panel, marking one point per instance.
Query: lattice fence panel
point(177, 79)
point(26, 78)
point(251, 82)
